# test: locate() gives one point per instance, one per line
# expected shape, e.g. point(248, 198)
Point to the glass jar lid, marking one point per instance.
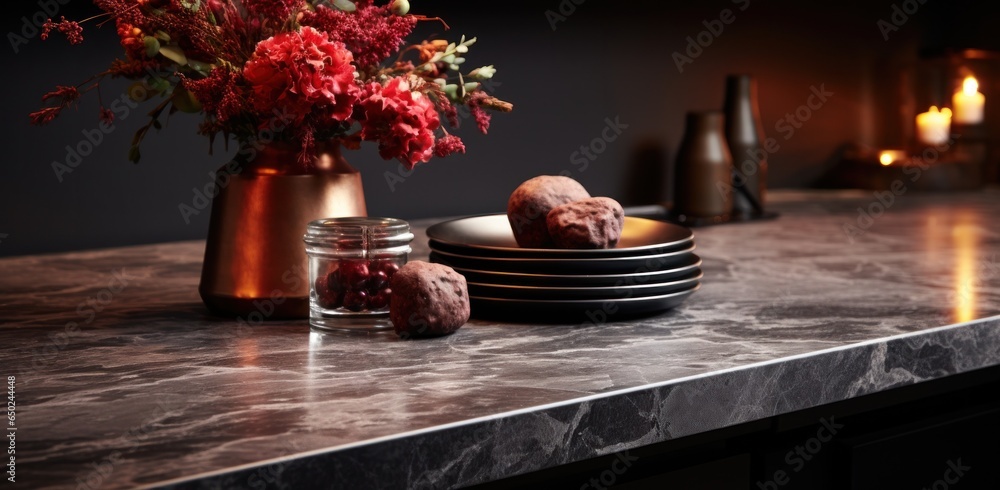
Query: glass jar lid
point(357, 233)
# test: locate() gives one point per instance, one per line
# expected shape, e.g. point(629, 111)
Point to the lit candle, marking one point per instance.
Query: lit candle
point(888, 157)
point(933, 126)
point(969, 102)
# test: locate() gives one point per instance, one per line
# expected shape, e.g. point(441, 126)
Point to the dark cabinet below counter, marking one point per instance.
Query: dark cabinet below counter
point(942, 434)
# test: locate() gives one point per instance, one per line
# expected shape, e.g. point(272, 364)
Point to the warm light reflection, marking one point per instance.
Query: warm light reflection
point(888, 157)
point(965, 237)
point(249, 351)
point(970, 85)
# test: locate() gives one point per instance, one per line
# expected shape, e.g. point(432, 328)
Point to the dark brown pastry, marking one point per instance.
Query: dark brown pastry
point(595, 222)
point(428, 300)
point(531, 202)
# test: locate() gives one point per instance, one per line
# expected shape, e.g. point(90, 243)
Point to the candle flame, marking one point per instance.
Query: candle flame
point(885, 158)
point(945, 112)
point(970, 86)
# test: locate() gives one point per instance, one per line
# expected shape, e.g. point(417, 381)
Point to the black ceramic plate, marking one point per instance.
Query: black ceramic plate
point(626, 290)
point(595, 311)
point(491, 236)
point(609, 265)
point(692, 264)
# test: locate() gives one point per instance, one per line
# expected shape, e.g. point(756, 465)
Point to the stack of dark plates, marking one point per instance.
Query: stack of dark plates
point(652, 269)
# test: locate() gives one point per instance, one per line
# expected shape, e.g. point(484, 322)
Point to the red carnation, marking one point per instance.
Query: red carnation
point(302, 73)
point(402, 121)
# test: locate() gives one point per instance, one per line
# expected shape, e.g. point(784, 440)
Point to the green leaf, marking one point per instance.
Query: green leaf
point(192, 5)
point(201, 67)
point(159, 85)
point(175, 54)
point(345, 5)
point(134, 154)
point(152, 45)
point(185, 101)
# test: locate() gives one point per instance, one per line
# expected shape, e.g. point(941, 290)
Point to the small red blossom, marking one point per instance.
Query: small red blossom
point(44, 116)
point(72, 30)
point(402, 121)
point(106, 116)
point(63, 94)
point(448, 145)
point(482, 117)
point(302, 73)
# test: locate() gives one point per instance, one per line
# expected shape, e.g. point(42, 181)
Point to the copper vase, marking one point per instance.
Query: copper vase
point(255, 264)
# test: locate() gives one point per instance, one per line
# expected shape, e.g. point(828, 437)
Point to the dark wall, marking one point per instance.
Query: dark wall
point(605, 61)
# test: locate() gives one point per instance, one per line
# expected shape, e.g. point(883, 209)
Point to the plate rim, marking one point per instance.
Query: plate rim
point(558, 251)
point(629, 287)
point(697, 264)
point(567, 260)
point(572, 302)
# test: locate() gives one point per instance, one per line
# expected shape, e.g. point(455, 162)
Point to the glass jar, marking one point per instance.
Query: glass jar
point(350, 263)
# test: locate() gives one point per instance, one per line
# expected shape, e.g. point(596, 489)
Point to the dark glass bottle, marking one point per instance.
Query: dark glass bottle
point(745, 136)
point(703, 172)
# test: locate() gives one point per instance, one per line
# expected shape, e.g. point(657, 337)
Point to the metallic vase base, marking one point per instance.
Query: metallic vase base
point(255, 262)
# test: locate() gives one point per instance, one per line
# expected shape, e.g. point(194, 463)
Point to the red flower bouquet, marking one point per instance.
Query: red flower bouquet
point(303, 70)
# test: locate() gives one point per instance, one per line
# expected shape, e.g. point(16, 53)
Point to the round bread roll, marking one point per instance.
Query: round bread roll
point(428, 300)
point(530, 203)
point(595, 222)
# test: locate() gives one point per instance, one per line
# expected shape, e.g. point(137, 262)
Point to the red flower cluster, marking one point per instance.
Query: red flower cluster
point(305, 72)
point(219, 94)
point(372, 33)
point(131, 39)
point(302, 73)
point(63, 96)
point(68, 28)
point(448, 145)
point(402, 121)
point(275, 10)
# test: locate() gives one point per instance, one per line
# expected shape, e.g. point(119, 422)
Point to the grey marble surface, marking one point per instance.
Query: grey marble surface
point(123, 379)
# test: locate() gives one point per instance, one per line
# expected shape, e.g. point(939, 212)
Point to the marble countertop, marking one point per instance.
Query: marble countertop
point(123, 379)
